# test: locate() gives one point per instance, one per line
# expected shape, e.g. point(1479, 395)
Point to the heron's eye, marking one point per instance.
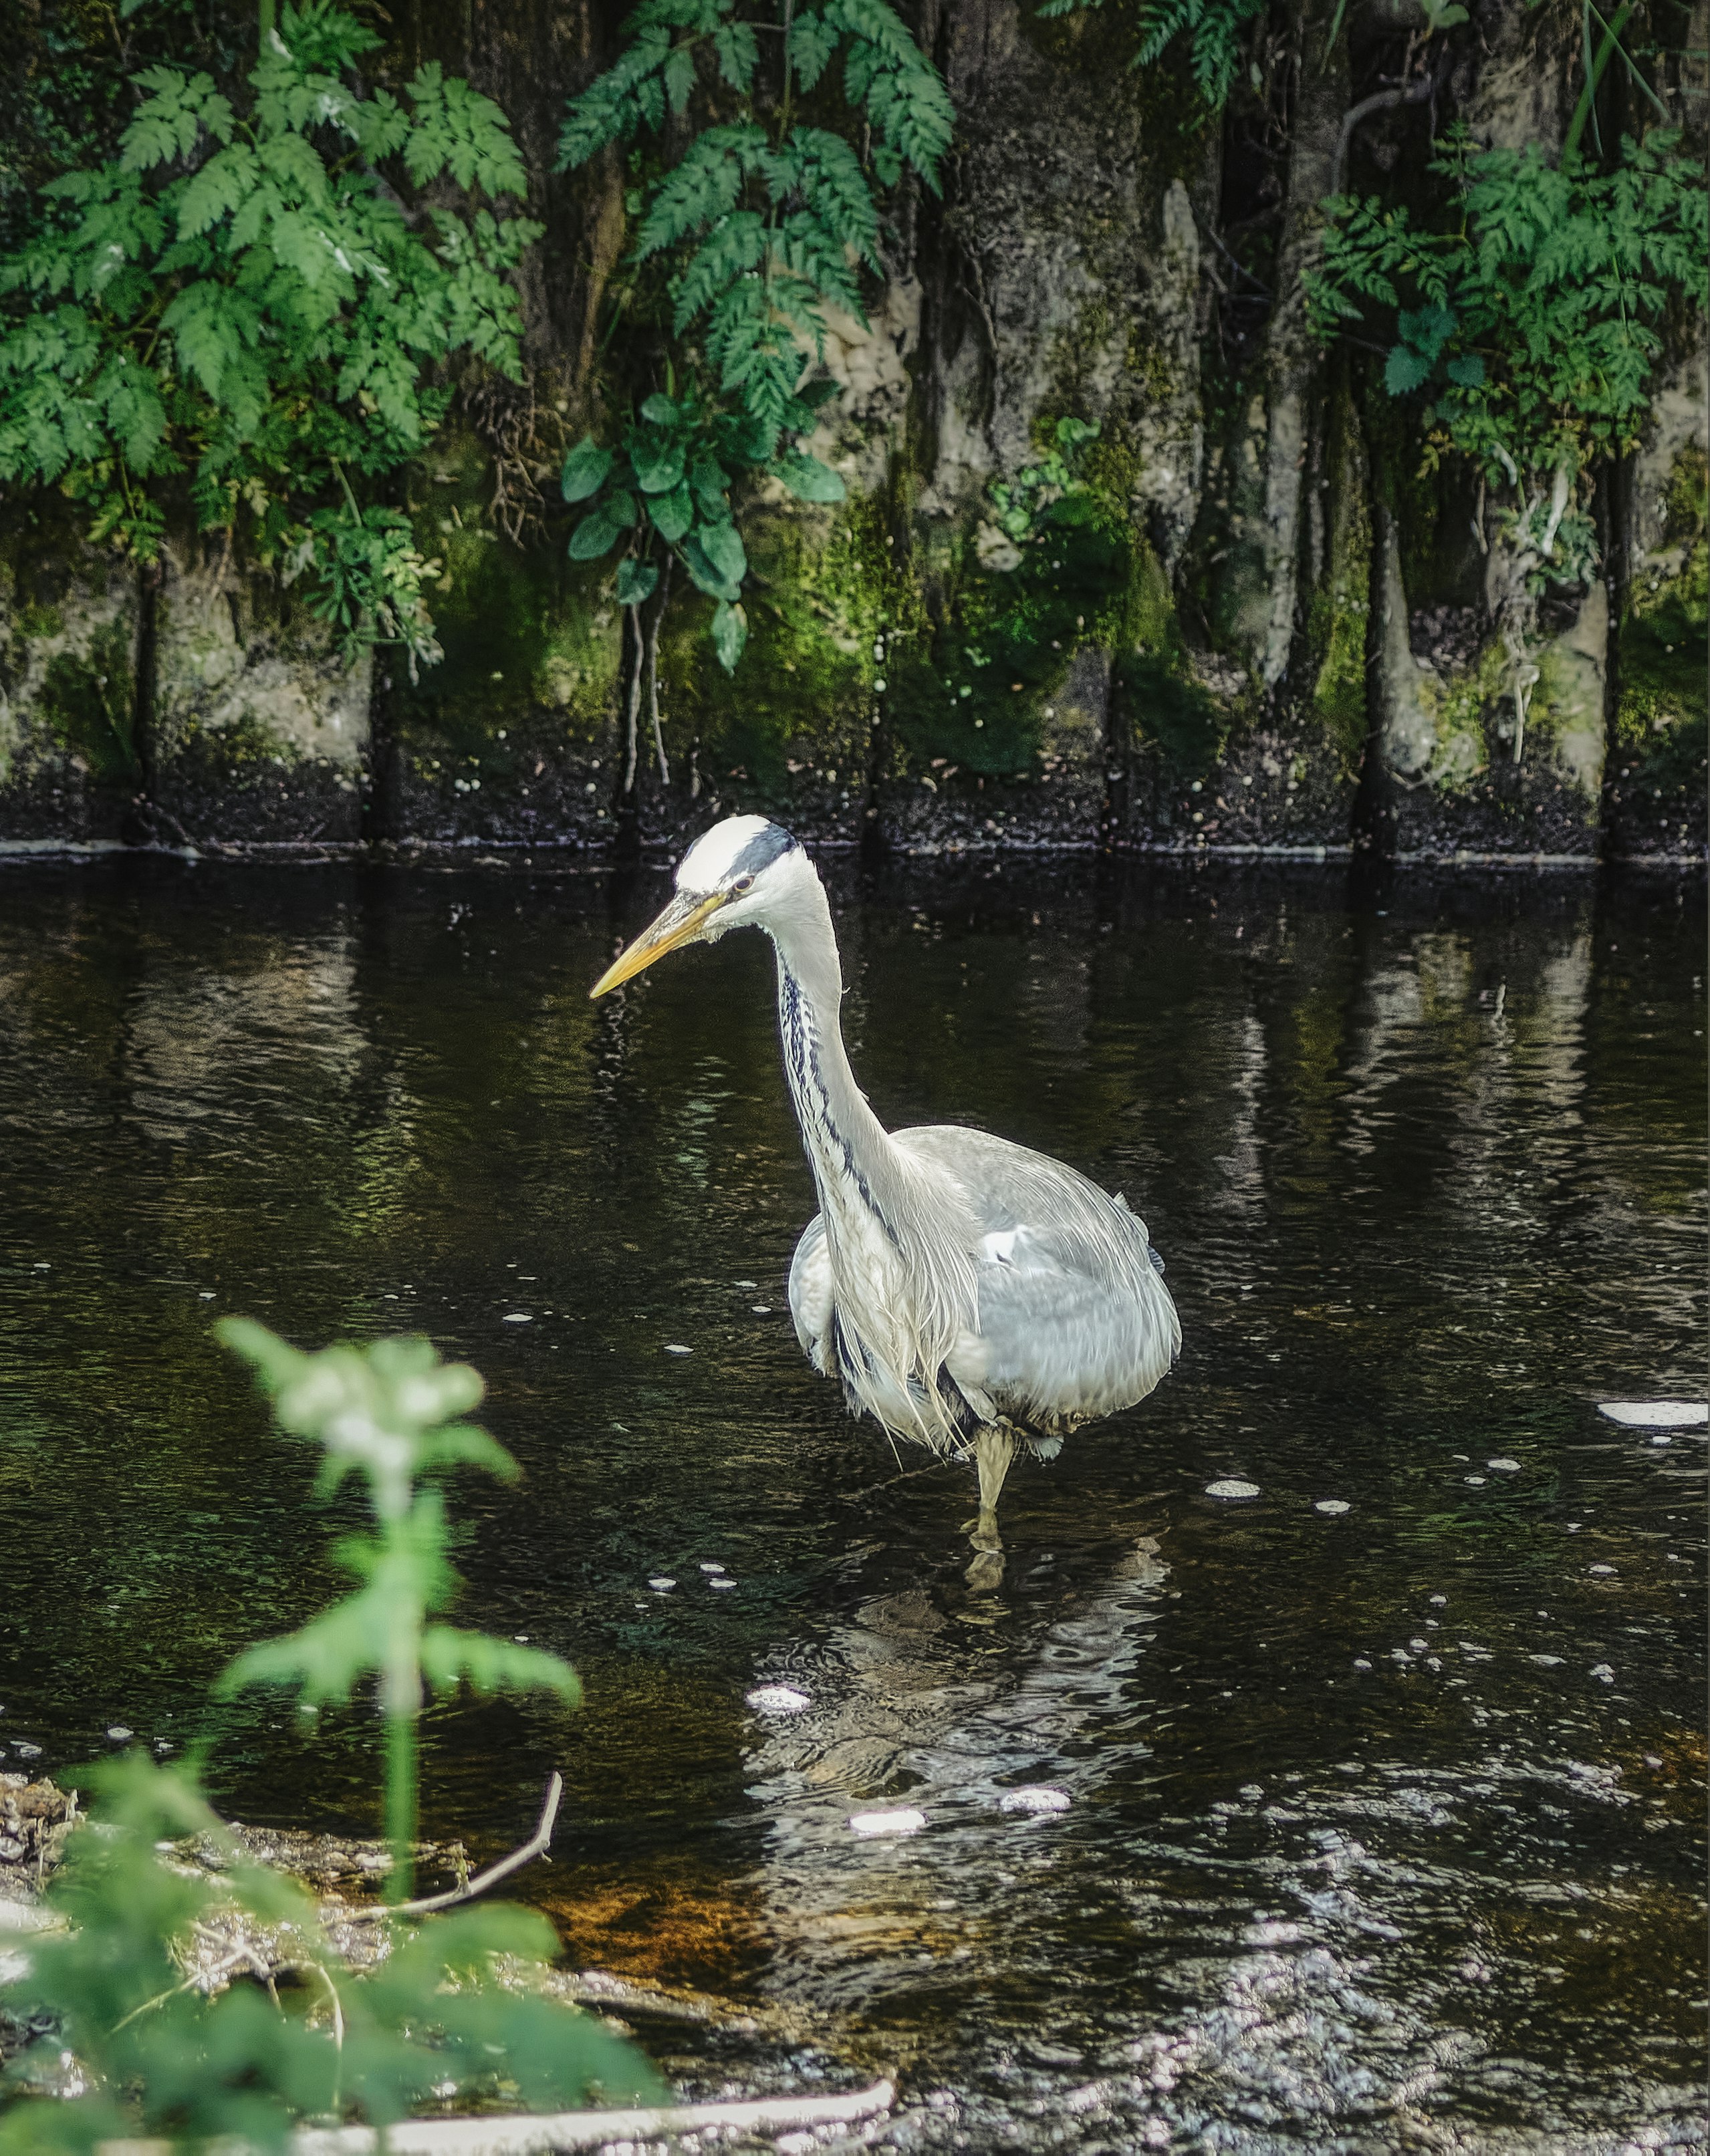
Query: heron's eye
point(741, 884)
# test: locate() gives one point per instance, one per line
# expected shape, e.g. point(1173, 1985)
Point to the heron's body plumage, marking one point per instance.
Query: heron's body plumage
point(1063, 1318)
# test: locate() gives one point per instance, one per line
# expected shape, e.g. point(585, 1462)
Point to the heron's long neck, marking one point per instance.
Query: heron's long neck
point(854, 1161)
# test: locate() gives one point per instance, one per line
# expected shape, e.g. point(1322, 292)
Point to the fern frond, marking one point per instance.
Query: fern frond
point(734, 249)
point(458, 130)
point(812, 42)
point(169, 122)
point(705, 185)
point(888, 73)
point(833, 185)
point(806, 247)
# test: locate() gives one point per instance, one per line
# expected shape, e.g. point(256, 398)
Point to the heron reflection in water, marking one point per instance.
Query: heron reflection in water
point(971, 1295)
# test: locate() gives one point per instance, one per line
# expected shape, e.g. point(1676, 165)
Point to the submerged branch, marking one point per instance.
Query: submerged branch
point(534, 2135)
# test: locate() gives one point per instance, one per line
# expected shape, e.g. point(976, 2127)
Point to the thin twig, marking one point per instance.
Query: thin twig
point(536, 1845)
point(634, 699)
point(664, 595)
point(1381, 100)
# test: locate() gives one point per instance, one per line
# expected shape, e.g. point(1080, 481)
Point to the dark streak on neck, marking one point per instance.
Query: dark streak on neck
point(801, 1062)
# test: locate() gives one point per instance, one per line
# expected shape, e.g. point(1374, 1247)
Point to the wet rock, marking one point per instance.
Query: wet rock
point(35, 1818)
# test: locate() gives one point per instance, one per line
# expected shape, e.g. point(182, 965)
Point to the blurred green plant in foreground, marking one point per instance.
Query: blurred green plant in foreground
point(177, 2004)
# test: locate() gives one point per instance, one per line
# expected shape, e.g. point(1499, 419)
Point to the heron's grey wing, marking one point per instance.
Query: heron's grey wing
point(1073, 1320)
point(810, 1296)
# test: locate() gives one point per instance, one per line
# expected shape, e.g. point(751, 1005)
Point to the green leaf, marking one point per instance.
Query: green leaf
point(217, 189)
point(1427, 329)
point(671, 514)
point(661, 410)
point(679, 77)
point(596, 535)
point(1467, 370)
point(459, 130)
point(635, 581)
point(659, 466)
point(585, 469)
point(705, 571)
point(722, 544)
point(730, 633)
point(1405, 369)
point(808, 479)
point(487, 1665)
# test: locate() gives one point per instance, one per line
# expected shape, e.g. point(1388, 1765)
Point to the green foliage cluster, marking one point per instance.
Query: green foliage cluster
point(240, 307)
point(670, 478)
point(761, 223)
point(135, 2045)
point(1005, 636)
point(1530, 318)
point(149, 2024)
point(1215, 30)
point(1019, 504)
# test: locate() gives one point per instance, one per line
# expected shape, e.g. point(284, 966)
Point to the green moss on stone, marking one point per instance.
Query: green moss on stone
point(1004, 639)
point(1660, 713)
point(1460, 708)
point(90, 704)
point(532, 640)
point(1339, 612)
point(824, 591)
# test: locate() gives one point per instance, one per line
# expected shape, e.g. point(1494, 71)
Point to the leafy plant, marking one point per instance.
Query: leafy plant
point(240, 307)
point(1020, 502)
point(1529, 320)
point(178, 2004)
point(756, 228)
point(1215, 30)
point(385, 1412)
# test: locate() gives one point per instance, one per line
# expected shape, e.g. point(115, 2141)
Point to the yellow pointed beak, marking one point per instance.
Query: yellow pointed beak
point(680, 922)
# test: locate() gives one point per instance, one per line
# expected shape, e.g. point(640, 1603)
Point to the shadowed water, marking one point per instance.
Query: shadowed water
point(1384, 1825)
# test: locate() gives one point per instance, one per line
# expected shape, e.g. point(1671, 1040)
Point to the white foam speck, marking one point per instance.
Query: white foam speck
point(709, 1564)
point(120, 1735)
point(518, 1317)
point(1331, 1505)
point(1036, 1800)
point(905, 1821)
point(1504, 1467)
point(676, 1348)
point(662, 1584)
point(721, 1583)
point(1655, 1414)
point(778, 1699)
point(1231, 1489)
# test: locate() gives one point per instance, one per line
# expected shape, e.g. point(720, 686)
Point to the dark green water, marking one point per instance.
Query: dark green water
point(1386, 1825)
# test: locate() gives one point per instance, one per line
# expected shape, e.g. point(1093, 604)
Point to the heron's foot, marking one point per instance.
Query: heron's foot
point(985, 1571)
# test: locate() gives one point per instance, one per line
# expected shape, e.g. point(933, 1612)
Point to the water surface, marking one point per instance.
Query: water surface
point(1385, 1823)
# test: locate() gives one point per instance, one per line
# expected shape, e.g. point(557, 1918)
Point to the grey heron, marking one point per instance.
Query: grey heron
point(970, 1293)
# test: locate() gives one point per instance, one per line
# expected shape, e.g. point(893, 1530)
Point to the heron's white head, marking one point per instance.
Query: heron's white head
point(743, 873)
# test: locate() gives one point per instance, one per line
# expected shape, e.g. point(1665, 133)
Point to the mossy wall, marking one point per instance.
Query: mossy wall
point(921, 667)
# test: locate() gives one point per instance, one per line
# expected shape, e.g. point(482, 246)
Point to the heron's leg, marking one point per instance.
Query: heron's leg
point(993, 1449)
